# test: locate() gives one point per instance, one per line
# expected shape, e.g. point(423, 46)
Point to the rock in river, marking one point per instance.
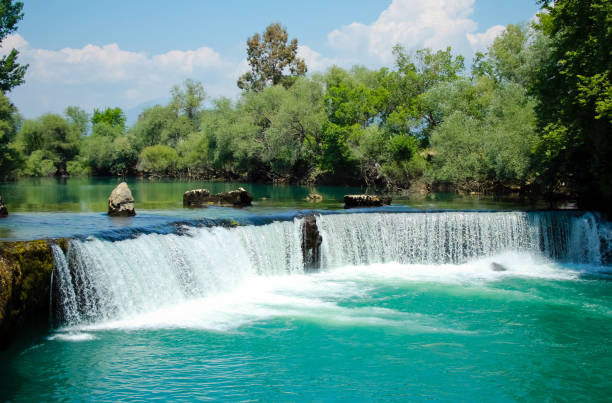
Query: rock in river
point(3, 210)
point(202, 197)
point(365, 201)
point(121, 202)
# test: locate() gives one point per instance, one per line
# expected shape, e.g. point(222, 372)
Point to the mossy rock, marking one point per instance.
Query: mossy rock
point(25, 276)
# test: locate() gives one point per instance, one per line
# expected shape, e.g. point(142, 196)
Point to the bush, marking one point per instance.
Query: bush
point(158, 159)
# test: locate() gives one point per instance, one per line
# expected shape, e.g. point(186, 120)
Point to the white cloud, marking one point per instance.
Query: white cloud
point(13, 41)
point(414, 24)
point(98, 76)
point(190, 60)
point(481, 41)
point(317, 62)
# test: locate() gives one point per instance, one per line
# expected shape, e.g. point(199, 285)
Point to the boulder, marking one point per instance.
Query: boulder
point(121, 202)
point(202, 197)
point(365, 201)
point(314, 198)
point(196, 198)
point(311, 244)
point(3, 210)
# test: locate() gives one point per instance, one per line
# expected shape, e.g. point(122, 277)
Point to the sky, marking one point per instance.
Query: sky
point(129, 53)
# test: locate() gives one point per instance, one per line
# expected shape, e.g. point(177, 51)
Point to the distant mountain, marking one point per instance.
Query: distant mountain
point(132, 113)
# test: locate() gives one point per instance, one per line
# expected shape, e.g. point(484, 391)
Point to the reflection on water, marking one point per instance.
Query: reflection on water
point(91, 195)
point(60, 207)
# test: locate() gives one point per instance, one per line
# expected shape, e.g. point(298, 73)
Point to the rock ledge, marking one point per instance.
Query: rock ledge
point(365, 201)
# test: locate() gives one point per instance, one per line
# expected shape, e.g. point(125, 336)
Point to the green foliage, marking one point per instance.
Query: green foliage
point(490, 142)
point(50, 134)
point(108, 151)
point(11, 72)
point(337, 156)
point(189, 99)
point(112, 116)
point(38, 165)
point(573, 86)
point(78, 118)
point(77, 168)
point(273, 61)
point(161, 125)
point(10, 159)
point(158, 159)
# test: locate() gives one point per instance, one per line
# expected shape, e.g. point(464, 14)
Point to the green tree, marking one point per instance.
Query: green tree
point(78, 118)
point(273, 61)
point(11, 72)
point(53, 136)
point(161, 125)
point(189, 99)
point(159, 160)
point(10, 158)
point(415, 75)
point(515, 55)
point(574, 89)
point(487, 132)
point(113, 116)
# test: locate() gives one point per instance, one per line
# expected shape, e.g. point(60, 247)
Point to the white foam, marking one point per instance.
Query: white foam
point(72, 336)
point(323, 297)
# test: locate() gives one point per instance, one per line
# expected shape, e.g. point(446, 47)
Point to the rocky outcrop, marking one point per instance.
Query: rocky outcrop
point(365, 201)
point(311, 244)
point(196, 198)
point(314, 198)
point(202, 198)
point(3, 210)
point(121, 202)
point(25, 277)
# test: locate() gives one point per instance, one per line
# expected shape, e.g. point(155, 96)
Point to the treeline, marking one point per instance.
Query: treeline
point(423, 120)
point(522, 117)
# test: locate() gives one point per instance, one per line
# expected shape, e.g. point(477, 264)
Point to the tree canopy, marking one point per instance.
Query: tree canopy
point(273, 60)
point(11, 72)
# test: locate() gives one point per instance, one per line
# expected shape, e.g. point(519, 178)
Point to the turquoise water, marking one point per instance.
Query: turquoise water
point(408, 306)
point(63, 207)
point(384, 332)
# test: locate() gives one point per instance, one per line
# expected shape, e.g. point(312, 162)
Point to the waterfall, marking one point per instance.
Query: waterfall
point(63, 281)
point(109, 280)
point(101, 280)
point(455, 237)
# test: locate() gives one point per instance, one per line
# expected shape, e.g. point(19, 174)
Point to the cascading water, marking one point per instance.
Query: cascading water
point(109, 280)
point(456, 237)
point(99, 280)
point(64, 285)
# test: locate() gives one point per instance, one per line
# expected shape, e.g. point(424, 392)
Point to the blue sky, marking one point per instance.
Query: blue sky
point(129, 53)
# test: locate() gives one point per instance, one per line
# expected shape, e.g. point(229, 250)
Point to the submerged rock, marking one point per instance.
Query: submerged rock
point(498, 267)
point(121, 202)
point(3, 210)
point(202, 197)
point(366, 201)
point(311, 244)
point(314, 198)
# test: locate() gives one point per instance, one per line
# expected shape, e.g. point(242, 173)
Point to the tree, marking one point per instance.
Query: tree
point(574, 89)
point(78, 118)
point(9, 156)
point(158, 159)
point(273, 61)
point(188, 99)
point(11, 72)
point(113, 116)
point(515, 55)
point(53, 136)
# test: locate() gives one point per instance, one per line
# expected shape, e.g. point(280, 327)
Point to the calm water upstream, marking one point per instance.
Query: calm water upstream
point(409, 304)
